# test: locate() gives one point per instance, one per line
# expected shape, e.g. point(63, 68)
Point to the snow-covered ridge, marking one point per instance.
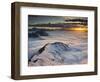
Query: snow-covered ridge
point(57, 53)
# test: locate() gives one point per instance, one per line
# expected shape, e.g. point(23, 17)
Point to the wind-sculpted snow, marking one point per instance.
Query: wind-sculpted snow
point(57, 53)
point(57, 48)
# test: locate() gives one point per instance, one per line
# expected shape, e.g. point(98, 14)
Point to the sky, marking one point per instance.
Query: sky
point(35, 19)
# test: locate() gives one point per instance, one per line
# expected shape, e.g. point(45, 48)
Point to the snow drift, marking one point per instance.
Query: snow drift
point(57, 53)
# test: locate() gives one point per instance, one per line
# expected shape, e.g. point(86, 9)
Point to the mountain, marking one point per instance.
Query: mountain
point(36, 33)
point(57, 53)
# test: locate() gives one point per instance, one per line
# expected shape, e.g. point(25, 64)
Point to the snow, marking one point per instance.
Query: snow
point(60, 48)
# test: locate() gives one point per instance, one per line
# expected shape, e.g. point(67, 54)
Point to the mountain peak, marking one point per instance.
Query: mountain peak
point(55, 54)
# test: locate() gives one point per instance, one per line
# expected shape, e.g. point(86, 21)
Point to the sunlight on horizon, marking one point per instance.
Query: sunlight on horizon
point(79, 29)
point(82, 28)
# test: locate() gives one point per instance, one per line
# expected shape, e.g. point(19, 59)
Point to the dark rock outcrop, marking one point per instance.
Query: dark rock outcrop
point(35, 33)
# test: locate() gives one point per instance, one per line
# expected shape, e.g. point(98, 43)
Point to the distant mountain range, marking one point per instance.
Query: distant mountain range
point(67, 25)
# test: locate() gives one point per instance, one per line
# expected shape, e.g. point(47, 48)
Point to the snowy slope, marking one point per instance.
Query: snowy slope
point(57, 53)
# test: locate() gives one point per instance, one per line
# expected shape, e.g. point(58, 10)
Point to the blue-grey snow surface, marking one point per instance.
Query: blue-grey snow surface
point(58, 48)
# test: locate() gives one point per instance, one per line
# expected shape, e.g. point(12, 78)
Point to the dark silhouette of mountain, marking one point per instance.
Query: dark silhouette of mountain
point(42, 33)
point(55, 25)
point(35, 33)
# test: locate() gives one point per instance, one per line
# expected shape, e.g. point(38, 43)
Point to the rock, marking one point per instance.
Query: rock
point(42, 33)
point(33, 35)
